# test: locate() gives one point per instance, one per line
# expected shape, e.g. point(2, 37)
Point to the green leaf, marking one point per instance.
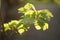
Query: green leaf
point(46, 14)
point(32, 6)
point(21, 26)
point(37, 26)
point(26, 27)
point(27, 6)
point(21, 31)
point(21, 10)
point(6, 27)
point(45, 26)
point(41, 24)
point(13, 23)
point(29, 12)
point(26, 20)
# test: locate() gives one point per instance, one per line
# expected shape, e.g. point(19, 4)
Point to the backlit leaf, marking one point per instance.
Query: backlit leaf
point(21, 31)
point(45, 26)
point(27, 6)
point(29, 12)
point(33, 7)
point(21, 10)
point(37, 26)
point(21, 26)
point(6, 27)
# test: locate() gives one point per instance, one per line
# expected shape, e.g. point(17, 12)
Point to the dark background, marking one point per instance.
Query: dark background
point(9, 12)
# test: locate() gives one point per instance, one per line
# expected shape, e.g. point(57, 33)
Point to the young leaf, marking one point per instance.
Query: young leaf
point(13, 23)
point(21, 31)
point(45, 26)
point(21, 10)
point(6, 27)
point(32, 6)
point(37, 26)
point(21, 26)
point(29, 12)
point(27, 6)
